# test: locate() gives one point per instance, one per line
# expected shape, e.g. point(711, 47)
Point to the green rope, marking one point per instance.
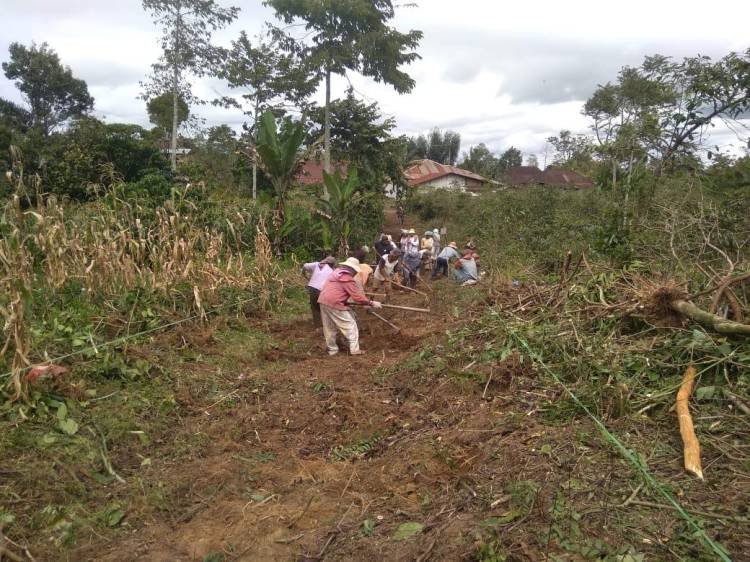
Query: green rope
point(716, 547)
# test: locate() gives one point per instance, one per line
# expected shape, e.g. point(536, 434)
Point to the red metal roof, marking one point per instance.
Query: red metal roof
point(312, 172)
point(521, 175)
point(422, 171)
point(565, 178)
point(525, 175)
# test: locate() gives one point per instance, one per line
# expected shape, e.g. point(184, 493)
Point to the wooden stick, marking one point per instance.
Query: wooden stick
point(413, 309)
point(391, 324)
point(410, 289)
point(691, 447)
point(427, 286)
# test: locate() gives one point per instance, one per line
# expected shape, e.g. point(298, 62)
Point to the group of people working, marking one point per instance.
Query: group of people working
point(333, 287)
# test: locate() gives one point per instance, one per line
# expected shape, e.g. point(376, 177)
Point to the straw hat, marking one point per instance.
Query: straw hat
point(412, 231)
point(352, 263)
point(428, 233)
point(453, 245)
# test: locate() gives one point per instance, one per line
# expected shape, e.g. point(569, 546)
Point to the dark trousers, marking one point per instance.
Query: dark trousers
point(441, 266)
point(314, 306)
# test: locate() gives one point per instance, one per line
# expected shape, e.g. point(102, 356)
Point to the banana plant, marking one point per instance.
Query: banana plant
point(280, 156)
point(340, 208)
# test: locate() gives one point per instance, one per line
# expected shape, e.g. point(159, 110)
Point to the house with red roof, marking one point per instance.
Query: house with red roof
point(311, 172)
point(552, 175)
point(428, 174)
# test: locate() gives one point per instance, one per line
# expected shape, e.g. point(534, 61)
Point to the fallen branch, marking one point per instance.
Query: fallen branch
point(691, 447)
point(739, 404)
point(716, 323)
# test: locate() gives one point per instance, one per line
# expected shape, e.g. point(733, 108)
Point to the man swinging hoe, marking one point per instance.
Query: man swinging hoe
point(337, 317)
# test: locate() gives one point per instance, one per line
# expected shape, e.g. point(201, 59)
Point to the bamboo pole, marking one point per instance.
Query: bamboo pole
point(410, 289)
point(411, 308)
point(398, 307)
point(691, 447)
point(391, 324)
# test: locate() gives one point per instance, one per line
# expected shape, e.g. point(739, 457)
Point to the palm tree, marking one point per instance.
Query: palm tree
point(280, 157)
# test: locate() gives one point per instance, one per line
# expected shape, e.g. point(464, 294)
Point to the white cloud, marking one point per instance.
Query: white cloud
point(501, 73)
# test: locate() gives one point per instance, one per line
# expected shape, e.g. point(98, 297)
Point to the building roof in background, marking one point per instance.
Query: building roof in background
point(552, 175)
point(522, 175)
point(421, 171)
point(312, 172)
point(565, 178)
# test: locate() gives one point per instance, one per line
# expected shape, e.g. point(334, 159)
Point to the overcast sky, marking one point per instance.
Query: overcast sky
point(502, 73)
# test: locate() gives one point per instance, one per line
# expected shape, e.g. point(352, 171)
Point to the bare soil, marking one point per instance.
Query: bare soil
point(326, 457)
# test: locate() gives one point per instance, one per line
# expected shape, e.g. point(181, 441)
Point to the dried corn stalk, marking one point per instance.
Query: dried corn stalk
point(691, 447)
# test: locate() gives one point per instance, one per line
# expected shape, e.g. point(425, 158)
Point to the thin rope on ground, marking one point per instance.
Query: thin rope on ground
point(95, 348)
point(714, 546)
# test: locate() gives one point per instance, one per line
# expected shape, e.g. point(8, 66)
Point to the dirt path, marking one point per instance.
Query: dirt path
point(327, 457)
point(311, 457)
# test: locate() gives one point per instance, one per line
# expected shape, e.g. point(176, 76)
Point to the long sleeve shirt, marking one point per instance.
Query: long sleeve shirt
point(448, 253)
point(319, 274)
point(341, 287)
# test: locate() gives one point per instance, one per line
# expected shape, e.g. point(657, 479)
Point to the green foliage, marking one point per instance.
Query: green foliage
point(268, 78)
point(161, 108)
point(483, 162)
point(354, 35)
point(439, 146)
point(281, 159)
point(50, 90)
point(361, 138)
point(345, 201)
point(90, 151)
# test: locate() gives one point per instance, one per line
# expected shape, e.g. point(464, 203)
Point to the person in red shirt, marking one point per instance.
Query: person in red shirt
point(337, 317)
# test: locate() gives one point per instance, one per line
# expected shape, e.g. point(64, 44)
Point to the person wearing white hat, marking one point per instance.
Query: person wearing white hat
point(335, 313)
point(450, 252)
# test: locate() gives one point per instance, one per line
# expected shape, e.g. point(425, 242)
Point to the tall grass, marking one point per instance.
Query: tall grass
point(114, 246)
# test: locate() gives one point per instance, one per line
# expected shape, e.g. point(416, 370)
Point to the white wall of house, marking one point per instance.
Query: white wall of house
point(450, 182)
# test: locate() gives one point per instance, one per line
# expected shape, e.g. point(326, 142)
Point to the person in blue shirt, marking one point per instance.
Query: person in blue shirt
point(450, 252)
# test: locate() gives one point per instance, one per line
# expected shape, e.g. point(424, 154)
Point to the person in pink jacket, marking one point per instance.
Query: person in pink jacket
point(337, 317)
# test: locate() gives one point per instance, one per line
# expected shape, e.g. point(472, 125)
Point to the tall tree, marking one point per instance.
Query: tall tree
point(267, 77)
point(663, 108)
point(352, 35)
point(442, 147)
point(571, 150)
point(510, 158)
point(53, 94)
point(532, 160)
point(161, 111)
point(187, 26)
point(361, 137)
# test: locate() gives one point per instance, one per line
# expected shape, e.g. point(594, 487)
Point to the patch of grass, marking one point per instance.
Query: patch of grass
point(357, 450)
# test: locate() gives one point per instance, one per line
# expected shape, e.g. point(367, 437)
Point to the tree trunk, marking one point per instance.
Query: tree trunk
point(327, 132)
point(255, 154)
point(175, 90)
point(716, 323)
point(691, 447)
point(173, 140)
